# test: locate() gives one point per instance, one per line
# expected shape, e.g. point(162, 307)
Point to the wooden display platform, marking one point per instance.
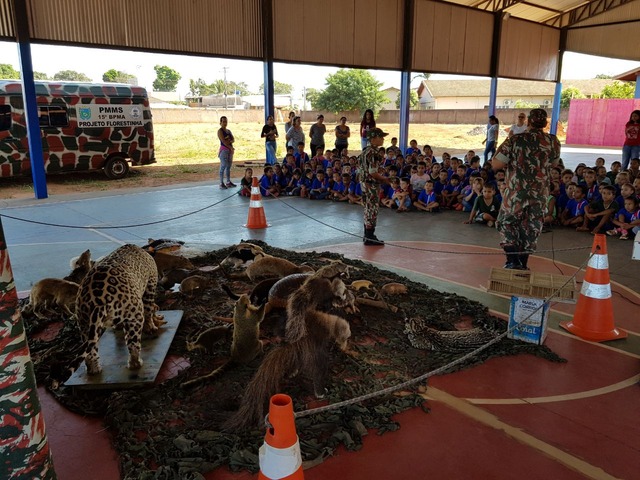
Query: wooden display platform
point(113, 358)
point(523, 283)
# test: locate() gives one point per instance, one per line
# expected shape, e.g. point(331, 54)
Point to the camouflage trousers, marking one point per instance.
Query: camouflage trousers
point(371, 204)
point(521, 229)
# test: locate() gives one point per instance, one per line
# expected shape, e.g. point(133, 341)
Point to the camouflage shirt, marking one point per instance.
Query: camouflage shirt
point(368, 163)
point(527, 158)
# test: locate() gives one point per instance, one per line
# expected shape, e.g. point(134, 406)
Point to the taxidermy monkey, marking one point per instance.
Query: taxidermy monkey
point(246, 344)
point(271, 267)
point(309, 334)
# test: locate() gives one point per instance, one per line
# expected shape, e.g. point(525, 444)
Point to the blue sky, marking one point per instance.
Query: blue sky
point(94, 62)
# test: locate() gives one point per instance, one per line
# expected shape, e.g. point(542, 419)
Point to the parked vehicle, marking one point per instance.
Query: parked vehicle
point(83, 126)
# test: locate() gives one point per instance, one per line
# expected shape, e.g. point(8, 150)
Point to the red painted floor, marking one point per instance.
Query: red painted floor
point(600, 431)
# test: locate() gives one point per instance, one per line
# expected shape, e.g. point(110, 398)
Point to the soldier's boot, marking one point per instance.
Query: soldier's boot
point(524, 259)
point(370, 238)
point(513, 259)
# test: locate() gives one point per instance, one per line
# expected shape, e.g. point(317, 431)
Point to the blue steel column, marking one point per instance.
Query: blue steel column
point(493, 92)
point(637, 92)
point(555, 111)
point(405, 75)
point(29, 97)
point(405, 98)
point(267, 37)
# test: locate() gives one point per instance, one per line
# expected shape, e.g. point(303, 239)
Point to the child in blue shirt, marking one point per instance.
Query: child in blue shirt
point(301, 156)
point(268, 186)
point(450, 192)
point(627, 221)
point(428, 200)
point(340, 188)
point(305, 183)
point(402, 196)
point(355, 192)
point(320, 187)
point(573, 215)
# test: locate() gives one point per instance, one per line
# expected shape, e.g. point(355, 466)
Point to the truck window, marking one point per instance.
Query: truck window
point(5, 117)
point(53, 116)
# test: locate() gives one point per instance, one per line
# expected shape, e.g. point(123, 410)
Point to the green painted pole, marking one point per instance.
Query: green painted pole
point(24, 448)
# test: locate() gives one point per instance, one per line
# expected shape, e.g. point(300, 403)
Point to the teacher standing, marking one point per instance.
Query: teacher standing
point(225, 153)
point(631, 147)
point(526, 159)
point(270, 133)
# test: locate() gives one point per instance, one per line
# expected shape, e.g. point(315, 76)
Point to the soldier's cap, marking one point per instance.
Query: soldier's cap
point(376, 132)
point(538, 118)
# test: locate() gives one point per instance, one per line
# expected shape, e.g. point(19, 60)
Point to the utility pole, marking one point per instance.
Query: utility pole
point(224, 69)
point(304, 99)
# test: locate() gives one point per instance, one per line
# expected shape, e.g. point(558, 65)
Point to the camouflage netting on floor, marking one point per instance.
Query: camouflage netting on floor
point(166, 432)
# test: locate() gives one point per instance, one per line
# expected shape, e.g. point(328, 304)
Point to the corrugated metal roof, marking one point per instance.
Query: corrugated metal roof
point(509, 88)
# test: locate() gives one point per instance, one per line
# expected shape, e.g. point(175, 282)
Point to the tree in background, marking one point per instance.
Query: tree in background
point(71, 76)
point(312, 95)
point(618, 90)
point(413, 100)
point(279, 88)
point(351, 89)
point(569, 94)
point(117, 76)
point(200, 88)
point(40, 76)
point(166, 79)
point(8, 72)
point(603, 76)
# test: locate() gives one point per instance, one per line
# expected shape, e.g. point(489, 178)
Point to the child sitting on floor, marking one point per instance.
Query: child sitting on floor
point(627, 222)
point(428, 200)
point(387, 199)
point(451, 191)
point(246, 183)
point(355, 192)
point(320, 187)
point(486, 207)
point(573, 215)
point(402, 196)
point(598, 214)
point(268, 186)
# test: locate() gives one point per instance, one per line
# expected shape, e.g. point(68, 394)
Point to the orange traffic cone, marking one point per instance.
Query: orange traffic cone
point(593, 318)
point(257, 218)
point(280, 454)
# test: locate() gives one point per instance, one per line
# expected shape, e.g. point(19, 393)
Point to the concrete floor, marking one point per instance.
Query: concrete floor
point(512, 417)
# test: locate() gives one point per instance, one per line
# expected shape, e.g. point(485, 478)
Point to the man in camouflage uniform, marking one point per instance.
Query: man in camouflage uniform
point(526, 159)
point(370, 179)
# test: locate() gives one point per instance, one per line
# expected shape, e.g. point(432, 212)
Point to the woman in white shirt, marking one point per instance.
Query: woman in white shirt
point(520, 126)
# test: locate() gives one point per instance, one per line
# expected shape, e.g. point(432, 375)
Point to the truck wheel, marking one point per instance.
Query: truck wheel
point(116, 167)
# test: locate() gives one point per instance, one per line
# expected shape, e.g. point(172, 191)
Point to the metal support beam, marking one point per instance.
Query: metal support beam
point(405, 75)
point(637, 92)
point(25, 448)
point(555, 112)
point(584, 12)
point(493, 93)
point(29, 98)
point(267, 36)
point(405, 96)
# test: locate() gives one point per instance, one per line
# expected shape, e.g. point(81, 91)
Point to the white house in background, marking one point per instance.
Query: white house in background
point(392, 96)
point(474, 94)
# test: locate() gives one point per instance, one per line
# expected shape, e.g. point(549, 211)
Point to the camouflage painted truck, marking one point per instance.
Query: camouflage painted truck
point(83, 126)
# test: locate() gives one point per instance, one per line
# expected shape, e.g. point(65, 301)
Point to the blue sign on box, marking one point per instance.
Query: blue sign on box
point(531, 315)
